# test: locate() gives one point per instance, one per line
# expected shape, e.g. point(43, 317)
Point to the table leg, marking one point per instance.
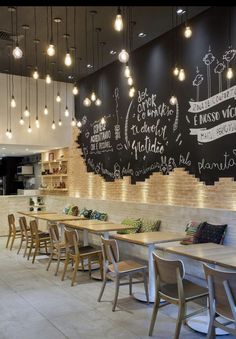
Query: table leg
point(85, 233)
point(151, 289)
point(96, 275)
point(200, 324)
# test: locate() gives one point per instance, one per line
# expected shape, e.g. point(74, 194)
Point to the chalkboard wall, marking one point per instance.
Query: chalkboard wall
point(147, 134)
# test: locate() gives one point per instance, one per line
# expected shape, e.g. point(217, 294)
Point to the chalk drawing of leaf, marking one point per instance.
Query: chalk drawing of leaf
point(219, 67)
point(198, 80)
point(208, 59)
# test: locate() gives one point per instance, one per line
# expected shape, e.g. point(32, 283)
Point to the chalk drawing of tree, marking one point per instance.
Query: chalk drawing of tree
point(197, 82)
point(218, 70)
point(208, 60)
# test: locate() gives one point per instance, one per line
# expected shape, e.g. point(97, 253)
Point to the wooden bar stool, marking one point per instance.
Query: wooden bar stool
point(14, 232)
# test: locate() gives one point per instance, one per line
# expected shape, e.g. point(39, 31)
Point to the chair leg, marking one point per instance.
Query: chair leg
point(8, 239)
point(37, 246)
point(100, 265)
point(65, 267)
point(49, 261)
point(58, 261)
point(154, 314)
point(89, 267)
point(13, 239)
point(26, 246)
point(102, 289)
point(211, 328)
point(146, 285)
point(82, 264)
point(76, 266)
point(116, 293)
point(30, 250)
point(180, 318)
point(21, 242)
point(130, 284)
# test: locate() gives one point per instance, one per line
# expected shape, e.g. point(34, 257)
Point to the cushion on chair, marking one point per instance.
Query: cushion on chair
point(150, 225)
point(85, 213)
point(211, 233)
point(135, 223)
point(98, 215)
point(192, 231)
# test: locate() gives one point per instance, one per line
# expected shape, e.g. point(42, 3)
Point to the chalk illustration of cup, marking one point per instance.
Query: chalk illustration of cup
point(229, 56)
point(197, 82)
point(218, 70)
point(208, 60)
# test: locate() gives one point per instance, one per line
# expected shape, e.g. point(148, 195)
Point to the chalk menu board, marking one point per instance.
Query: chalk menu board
point(147, 134)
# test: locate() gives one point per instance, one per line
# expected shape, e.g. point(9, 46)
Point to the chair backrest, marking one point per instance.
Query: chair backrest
point(34, 229)
point(23, 225)
point(11, 222)
point(54, 233)
point(222, 291)
point(71, 240)
point(168, 270)
point(110, 252)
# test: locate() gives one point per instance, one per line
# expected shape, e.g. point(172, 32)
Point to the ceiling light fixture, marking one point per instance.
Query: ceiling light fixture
point(118, 24)
point(127, 71)
point(123, 56)
point(173, 100)
point(75, 90)
point(87, 102)
point(45, 110)
point(67, 60)
point(181, 75)
point(89, 66)
point(73, 122)
point(17, 51)
point(48, 79)
point(132, 92)
point(51, 47)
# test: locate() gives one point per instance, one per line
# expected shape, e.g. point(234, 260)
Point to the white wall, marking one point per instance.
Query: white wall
point(44, 136)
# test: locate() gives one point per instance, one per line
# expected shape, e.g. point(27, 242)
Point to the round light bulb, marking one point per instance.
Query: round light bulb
point(17, 52)
point(26, 112)
point(10, 134)
point(127, 72)
point(87, 102)
point(73, 122)
point(132, 92)
point(98, 102)
point(79, 124)
point(75, 90)
point(58, 98)
point(118, 25)
point(21, 121)
point(37, 123)
point(103, 121)
point(93, 96)
point(173, 100)
point(123, 56)
point(176, 71)
point(53, 125)
point(45, 110)
point(7, 132)
point(187, 32)
point(130, 81)
point(35, 74)
point(230, 73)
point(29, 129)
point(51, 50)
point(13, 102)
point(68, 60)
point(181, 76)
point(59, 122)
point(48, 79)
point(67, 112)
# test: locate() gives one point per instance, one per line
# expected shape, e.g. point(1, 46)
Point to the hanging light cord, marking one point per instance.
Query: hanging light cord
point(86, 38)
point(17, 41)
point(7, 98)
point(35, 39)
point(51, 26)
point(67, 48)
point(93, 38)
point(11, 63)
point(75, 63)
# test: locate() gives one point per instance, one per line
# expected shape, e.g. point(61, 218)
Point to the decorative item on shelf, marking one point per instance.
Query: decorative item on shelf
point(31, 202)
point(62, 184)
point(51, 157)
point(55, 170)
point(62, 169)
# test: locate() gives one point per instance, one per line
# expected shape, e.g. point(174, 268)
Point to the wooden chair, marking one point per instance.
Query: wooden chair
point(174, 289)
point(115, 270)
point(25, 235)
point(58, 247)
point(77, 254)
point(222, 298)
point(14, 232)
point(38, 240)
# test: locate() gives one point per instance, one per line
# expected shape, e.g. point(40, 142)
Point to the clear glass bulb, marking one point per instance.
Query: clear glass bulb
point(187, 32)
point(35, 74)
point(51, 49)
point(93, 96)
point(58, 98)
point(73, 122)
point(29, 129)
point(17, 52)
point(98, 102)
point(132, 92)
point(53, 125)
point(230, 73)
point(59, 122)
point(75, 90)
point(176, 71)
point(26, 112)
point(45, 110)
point(181, 76)
point(68, 60)
point(127, 72)
point(37, 123)
point(103, 121)
point(48, 79)
point(21, 121)
point(123, 56)
point(87, 102)
point(130, 81)
point(173, 100)
point(13, 102)
point(118, 25)
point(7, 132)
point(79, 124)
point(67, 112)
point(10, 134)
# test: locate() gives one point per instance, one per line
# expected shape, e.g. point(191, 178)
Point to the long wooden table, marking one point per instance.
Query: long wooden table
point(32, 213)
point(149, 239)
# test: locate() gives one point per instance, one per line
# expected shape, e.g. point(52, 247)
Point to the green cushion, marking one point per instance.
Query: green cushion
point(135, 223)
point(149, 225)
point(73, 210)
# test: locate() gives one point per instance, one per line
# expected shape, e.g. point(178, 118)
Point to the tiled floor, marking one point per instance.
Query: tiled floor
point(36, 304)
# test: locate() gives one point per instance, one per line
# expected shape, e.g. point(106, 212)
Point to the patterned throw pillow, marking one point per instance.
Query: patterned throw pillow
point(66, 209)
point(211, 233)
point(150, 225)
point(74, 210)
point(98, 215)
point(85, 213)
point(135, 223)
point(192, 230)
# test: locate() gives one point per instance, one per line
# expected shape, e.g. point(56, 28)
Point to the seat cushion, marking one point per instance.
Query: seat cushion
point(192, 232)
point(211, 233)
point(127, 266)
point(136, 225)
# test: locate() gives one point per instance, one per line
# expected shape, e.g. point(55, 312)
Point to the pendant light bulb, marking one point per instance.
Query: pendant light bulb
point(118, 24)
point(87, 102)
point(98, 102)
point(68, 60)
point(29, 129)
point(45, 110)
point(37, 123)
point(79, 124)
point(93, 96)
point(59, 122)
point(53, 125)
point(35, 74)
point(13, 102)
point(131, 92)
point(48, 79)
point(187, 32)
point(127, 71)
point(73, 122)
point(130, 81)
point(17, 52)
point(10, 134)
point(58, 98)
point(26, 112)
point(181, 76)
point(123, 56)
point(7, 132)
point(75, 90)
point(67, 112)
point(173, 100)
point(103, 121)
point(51, 49)
point(21, 121)
point(230, 73)
point(176, 71)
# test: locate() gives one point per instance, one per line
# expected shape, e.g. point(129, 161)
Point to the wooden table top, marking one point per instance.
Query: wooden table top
point(55, 217)
point(208, 252)
point(148, 238)
point(32, 213)
point(96, 226)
